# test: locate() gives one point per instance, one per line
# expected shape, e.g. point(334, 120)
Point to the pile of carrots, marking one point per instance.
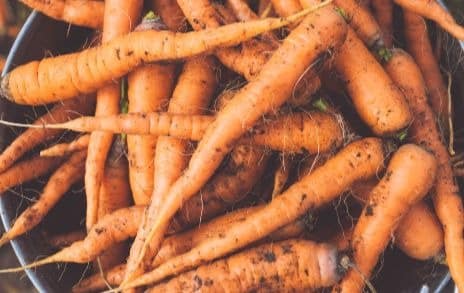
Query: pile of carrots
point(212, 134)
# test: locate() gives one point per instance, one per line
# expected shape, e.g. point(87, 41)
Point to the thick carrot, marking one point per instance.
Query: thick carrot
point(120, 17)
point(285, 7)
point(192, 95)
point(424, 131)
point(63, 149)
point(419, 46)
point(383, 12)
point(149, 88)
point(171, 14)
point(32, 137)
point(62, 240)
point(115, 194)
point(419, 233)
point(408, 178)
point(432, 10)
point(362, 159)
point(87, 13)
point(61, 180)
point(68, 75)
point(282, 266)
point(27, 170)
point(312, 131)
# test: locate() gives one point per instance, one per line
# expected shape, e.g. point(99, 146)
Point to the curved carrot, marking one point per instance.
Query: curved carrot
point(409, 176)
point(383, 11)
point(423, 130)
point(87, 13)
point(61, 180)
point(149, 89)
point(63, 149)
point(419, 46)
point(307, 266)
point(120, 18)
point(32, 137)
point(363, 158)
point(68, 75)
point(432, 10)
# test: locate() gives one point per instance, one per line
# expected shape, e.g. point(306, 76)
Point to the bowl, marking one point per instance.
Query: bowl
point(42, 36)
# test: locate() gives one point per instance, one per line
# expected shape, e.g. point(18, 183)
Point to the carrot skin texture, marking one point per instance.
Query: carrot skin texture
point(62, 149)
point(363, 158)
point(419, 46)
point(149, 89)
point(254, 269)
point(409, 176)
point(66, 239)
point(171, 14)
point(116, 58)
point(383, 11)
point(60, 181)
point(32, 137)
point(79, 12)
point(424, 131)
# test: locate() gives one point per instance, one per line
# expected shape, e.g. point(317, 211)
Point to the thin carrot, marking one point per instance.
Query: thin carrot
point(383, 12)
point(312, 131)
point(363, 158)
point(419, 233)
point(299, 264)
point(241, 10)
point(87, 13)
point(66, 239)
point(424, 131)
point(2, 63)
point(32, 137)
point(171, 14)
point(420, 47)
point(432, 10)
point(63, 149)
point(409, 176)
point(61, 180)
point(281, 175)
point(67, 75)
point(27, 170)
point(192, 95)
point(120, 17)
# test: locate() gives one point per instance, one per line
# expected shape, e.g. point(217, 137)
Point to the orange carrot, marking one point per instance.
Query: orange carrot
point(171, 14)
point(149, 89)
point(419, 46)
point(67, 75)
point(119, 19)
point(61, 180)
point(87, 13)
point(432, 10)
point(2, 63)
point(32, 137)
point(424, 131)
point(362, 158)
point(27, 170)
point(63, 149)
point(383, 11)
point(283, 266)
point(62, 240)
point(409, 176)
point(419, 233)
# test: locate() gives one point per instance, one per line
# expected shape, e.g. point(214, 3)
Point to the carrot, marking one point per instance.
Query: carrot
point(87, 13)
point(283, 8)
point(115, 275)
point(419, 233)
point(230, 185)
point(383, 12)
point(149, 89)
point(32, 137)
point(241, 10)
point(6, 14)
point(281, 174)
point(61, 180)
point(409, 176)
point(27, 170)
point(119, 19)
point(419, 46)
point(424, 131)
point(2, 63)
point(63, 149)
point(282, 266)
point(114, 194)
point(171, 14)
point(432, 10)
point(312, 131)
point(192, 95)
point(362, 158)
point(62, 240)
point(68, 75)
